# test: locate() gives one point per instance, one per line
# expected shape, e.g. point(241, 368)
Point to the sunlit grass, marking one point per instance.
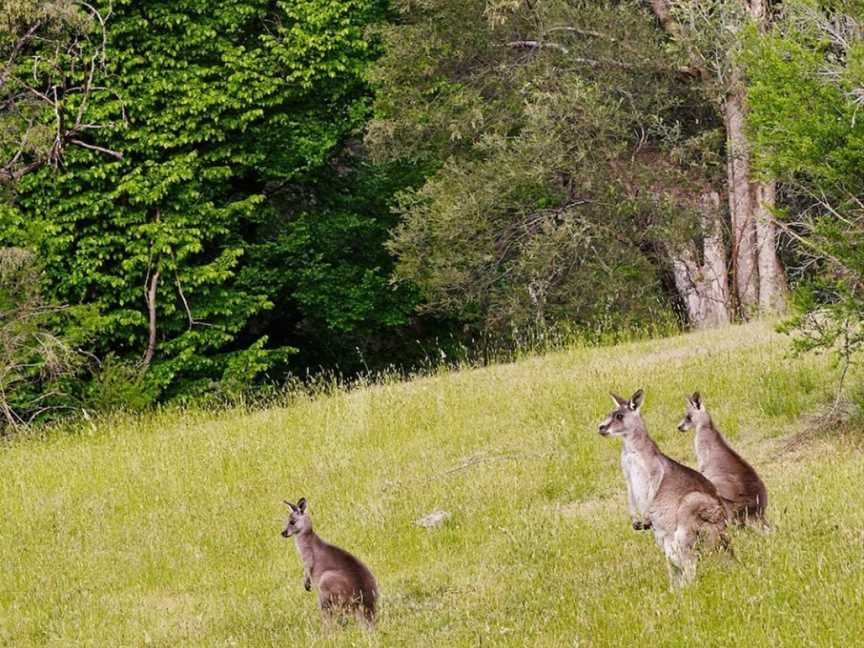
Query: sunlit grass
point(164, 530)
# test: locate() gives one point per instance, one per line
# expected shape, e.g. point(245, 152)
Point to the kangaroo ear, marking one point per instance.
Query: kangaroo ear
point(696, 399)
point(301, 505)
point(637, 399)
point(290, 505)
point(617, 400)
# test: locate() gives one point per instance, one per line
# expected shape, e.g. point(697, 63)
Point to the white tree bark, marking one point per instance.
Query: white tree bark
point(150, 297)
point(741, 212)
point(773, 285)
point(704, 288)
point(686, 274)
point(754, 245)
point(714, 270)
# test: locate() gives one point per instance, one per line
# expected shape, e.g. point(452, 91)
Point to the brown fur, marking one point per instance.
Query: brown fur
point(344, 584)
point(681, 506)
point(735, 479)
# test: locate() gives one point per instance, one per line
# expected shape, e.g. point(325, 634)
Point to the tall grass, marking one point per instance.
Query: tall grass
point(164, 529)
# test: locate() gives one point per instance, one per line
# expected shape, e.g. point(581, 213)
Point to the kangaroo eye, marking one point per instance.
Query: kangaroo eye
point(688, 417)
point(619, 416)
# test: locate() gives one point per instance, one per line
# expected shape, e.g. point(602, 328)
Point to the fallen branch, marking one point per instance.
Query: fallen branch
point(533, 44)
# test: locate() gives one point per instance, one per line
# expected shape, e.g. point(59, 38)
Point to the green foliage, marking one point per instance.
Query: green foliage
point(324, 262)
point(118, 386)
point(35, 364)
point(227, 104)
point(805, 100)
point(538, 127)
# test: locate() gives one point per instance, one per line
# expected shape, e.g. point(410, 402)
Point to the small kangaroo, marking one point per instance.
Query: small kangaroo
point(735, 479)
point(344, 584)
point(680, 505)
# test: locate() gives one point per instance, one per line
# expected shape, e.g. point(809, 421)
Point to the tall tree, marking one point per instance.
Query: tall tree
point(709, 34)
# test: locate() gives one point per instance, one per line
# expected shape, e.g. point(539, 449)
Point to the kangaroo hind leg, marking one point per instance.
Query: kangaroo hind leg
point(685, 541)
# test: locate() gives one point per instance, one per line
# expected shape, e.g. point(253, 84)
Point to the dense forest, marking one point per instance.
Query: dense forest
point(201, 197)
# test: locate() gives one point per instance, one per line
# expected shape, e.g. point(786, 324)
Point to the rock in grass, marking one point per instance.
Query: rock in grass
point(434, 519)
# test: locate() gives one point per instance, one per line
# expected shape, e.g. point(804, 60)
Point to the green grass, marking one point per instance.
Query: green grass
point(164, 530)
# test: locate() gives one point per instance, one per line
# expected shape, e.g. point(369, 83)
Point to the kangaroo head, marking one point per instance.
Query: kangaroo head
point(299, 520)
point(625, 418)
point(695, 415)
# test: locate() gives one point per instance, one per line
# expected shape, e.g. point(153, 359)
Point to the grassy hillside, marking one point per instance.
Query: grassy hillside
point(164, 531)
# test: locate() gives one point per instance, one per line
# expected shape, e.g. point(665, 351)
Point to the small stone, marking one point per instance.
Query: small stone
point(437, 518)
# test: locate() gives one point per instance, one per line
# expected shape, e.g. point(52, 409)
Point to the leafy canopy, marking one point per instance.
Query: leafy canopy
point(225, 105)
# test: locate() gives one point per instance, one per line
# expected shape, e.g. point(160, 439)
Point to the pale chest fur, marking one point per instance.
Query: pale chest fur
point(306, 549)
point(702, 446)
point(639, 480)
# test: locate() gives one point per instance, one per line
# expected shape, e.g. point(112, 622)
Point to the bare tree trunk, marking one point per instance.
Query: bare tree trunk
point(685, 272)
point(773, 285)
point(714, 271)
point(704, 289)
point(151, 308)
point(744, 263)
point(753, 232)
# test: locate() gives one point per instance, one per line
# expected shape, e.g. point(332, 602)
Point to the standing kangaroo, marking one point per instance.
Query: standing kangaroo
point(680, 505)
point(344, 584)
point(734, 478)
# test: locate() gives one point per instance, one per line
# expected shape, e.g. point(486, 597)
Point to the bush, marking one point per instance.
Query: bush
point(35, 364)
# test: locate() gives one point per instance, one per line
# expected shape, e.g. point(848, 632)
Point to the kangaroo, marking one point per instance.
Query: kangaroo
point(344, 584)
point(678, 504)
point(734, 478)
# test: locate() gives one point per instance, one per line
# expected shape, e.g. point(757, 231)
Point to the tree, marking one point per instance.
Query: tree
point(564, 158)
point(322, 260)
point(709, 36)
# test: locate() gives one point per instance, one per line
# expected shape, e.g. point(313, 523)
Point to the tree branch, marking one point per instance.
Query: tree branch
point(663, 11)
point(115, 154)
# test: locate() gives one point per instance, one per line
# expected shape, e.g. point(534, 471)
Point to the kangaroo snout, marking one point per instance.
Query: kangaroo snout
point(285, 533)
point(603, 429)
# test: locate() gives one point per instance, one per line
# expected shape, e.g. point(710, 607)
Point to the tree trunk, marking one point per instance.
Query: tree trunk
point(704, 289)
point(741, 212)
point(758, 279)
point(773, 286)
point(685, 273)
point(714, 270)
point(151, 311)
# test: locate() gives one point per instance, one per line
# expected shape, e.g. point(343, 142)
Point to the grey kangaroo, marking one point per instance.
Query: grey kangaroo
point(735, 479)
point(344, 584)
point(680, 505)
